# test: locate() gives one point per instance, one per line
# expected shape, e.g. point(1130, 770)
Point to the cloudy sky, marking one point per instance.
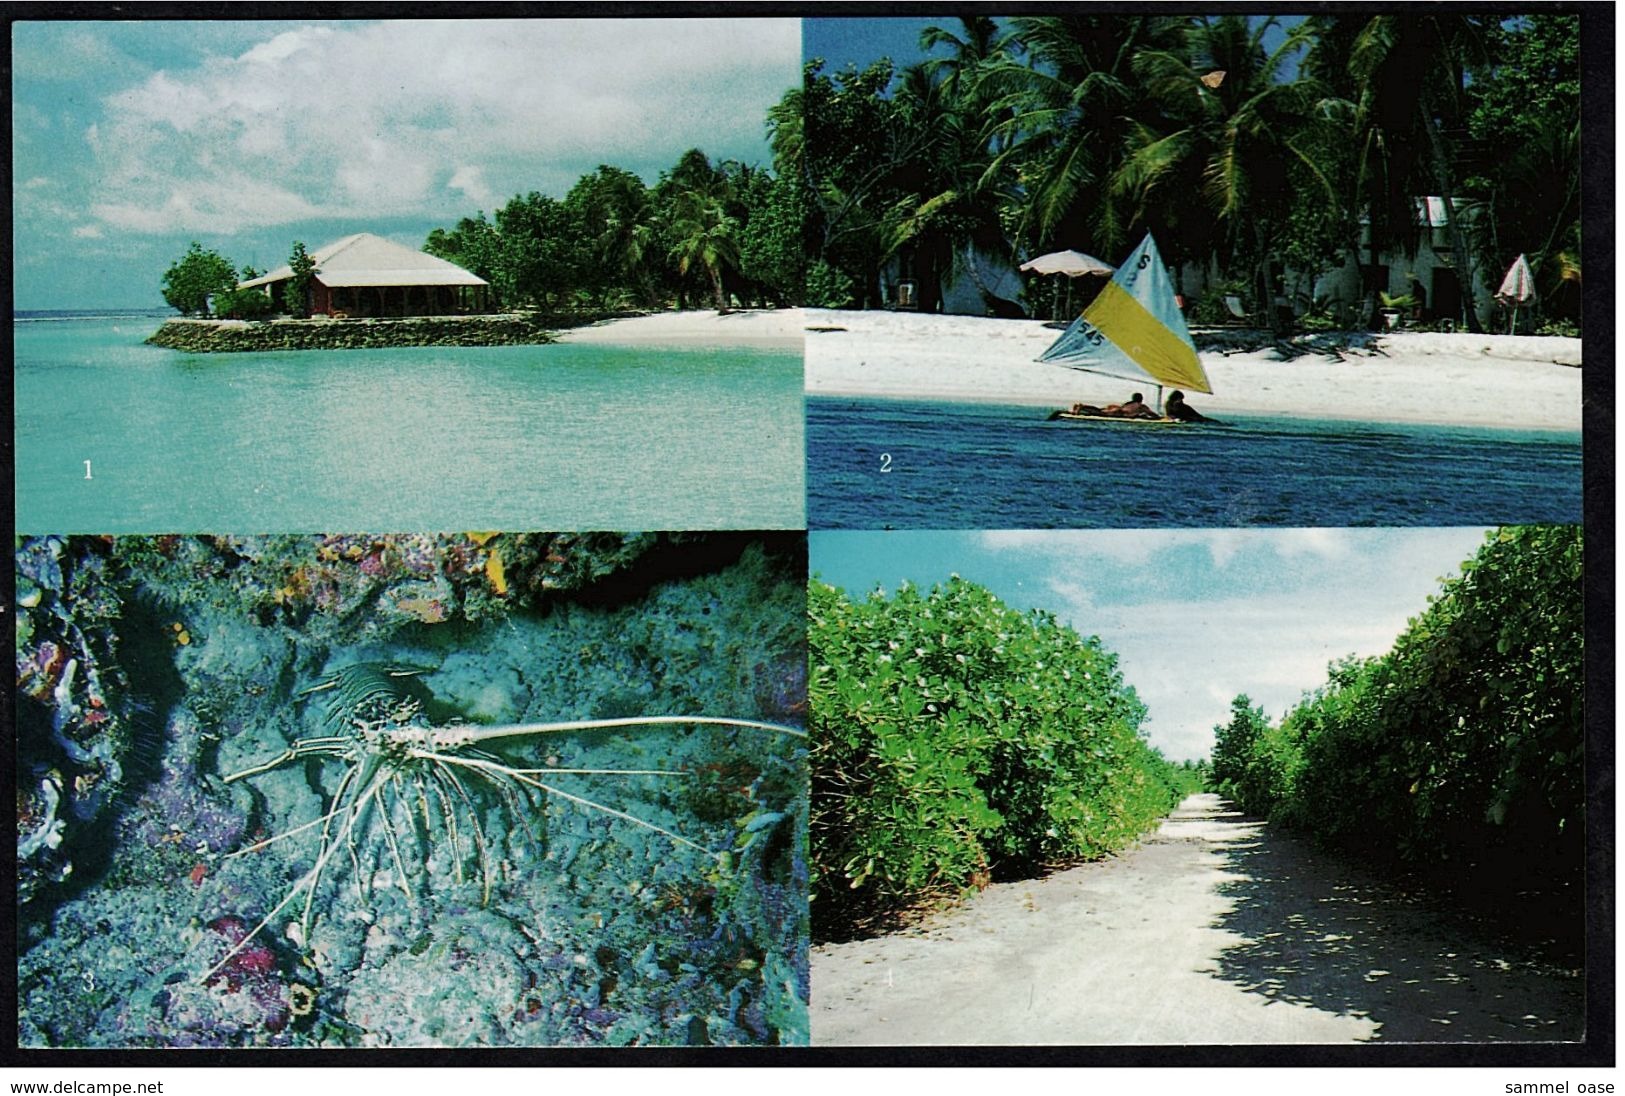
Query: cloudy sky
point(131, 139)
point(1195, 616)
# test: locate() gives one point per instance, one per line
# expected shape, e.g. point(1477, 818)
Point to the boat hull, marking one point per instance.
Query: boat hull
point(1074, 416)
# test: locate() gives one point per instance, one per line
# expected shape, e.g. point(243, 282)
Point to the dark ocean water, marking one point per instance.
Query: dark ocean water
point(957, 466)
point(50, 315)
point(562, 436)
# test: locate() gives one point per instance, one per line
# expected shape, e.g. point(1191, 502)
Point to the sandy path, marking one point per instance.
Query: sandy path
point(1214, 930)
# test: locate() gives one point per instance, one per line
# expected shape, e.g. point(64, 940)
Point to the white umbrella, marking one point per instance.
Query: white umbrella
point(1074, 264)
point(1518, 286)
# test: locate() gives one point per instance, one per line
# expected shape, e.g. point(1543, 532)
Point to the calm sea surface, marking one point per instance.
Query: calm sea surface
point(421, 439)
point(955, 466)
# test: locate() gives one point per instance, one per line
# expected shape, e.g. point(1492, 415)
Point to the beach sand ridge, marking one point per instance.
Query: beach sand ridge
point(1413, 377)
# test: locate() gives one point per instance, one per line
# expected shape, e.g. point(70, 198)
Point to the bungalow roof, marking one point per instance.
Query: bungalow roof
point(367, 260)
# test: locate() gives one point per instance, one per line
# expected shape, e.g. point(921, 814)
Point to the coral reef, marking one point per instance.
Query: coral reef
point(74, 705)
point(355, 587)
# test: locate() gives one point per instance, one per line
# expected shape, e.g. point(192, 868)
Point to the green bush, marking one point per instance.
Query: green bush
point(196, 276)
point(296, 290)
point(829, 287)
point(1326, 314)
point(243, 304)
point(1254, 763)
point(955, 738)
point(1209, 307)
point(1464, 744)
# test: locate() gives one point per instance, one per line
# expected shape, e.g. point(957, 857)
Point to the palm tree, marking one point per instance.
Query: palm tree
point(1406, 75)
point(705, 236)
point(701, 227)
point(859, 153)
point(787, 128)
point(1365, 195)
point(955, 195)
point(1534, 207)
point(1230, 129)
point(947, 204)
point(626, 233)
point(1064, 95)
point(1524, 133)
point(979, 45)
point(617, 226)
point(621, 228)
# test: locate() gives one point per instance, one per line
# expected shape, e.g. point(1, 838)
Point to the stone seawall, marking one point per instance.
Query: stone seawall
point(229, 336)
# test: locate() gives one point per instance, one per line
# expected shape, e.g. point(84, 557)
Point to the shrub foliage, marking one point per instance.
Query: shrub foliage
point(193, 278)
point(296, 290)
point(243, 304)
point(1462, 748)
point(955, 739)
point(1253, 762)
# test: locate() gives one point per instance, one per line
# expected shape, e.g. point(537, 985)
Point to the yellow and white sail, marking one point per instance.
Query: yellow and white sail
point(1134, 329)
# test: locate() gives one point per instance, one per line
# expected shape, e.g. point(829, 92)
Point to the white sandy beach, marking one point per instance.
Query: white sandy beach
point(1463, 380)
point(751, 327)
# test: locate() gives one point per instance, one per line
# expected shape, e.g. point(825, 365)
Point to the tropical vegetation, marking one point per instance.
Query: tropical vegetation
point(1262, 151)
point(957, 740)
point(1461, 751)
point(296, 290)
point(195, 277)
point(204, 282)
point(244, 304)
point(724, 234)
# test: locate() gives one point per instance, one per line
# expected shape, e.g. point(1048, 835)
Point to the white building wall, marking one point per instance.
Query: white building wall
point(1344, 284)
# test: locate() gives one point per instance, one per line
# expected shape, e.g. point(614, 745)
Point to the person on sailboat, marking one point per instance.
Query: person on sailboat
point(1177, 408)
point(1135, 408)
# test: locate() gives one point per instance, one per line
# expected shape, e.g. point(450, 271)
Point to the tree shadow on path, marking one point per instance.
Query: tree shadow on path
point(1319, 931)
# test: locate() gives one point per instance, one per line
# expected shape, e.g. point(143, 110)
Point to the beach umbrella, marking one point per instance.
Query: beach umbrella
point(1074, 264)
point(1518, 286)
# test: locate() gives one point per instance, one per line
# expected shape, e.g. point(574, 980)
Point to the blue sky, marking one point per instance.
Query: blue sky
point(1195, 616)
point(857, 41)
point(131, 139)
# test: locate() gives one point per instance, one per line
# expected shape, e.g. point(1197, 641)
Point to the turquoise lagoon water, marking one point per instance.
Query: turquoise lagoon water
point(433, 438)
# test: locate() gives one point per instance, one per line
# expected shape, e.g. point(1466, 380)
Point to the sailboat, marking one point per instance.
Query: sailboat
point(1134, 331)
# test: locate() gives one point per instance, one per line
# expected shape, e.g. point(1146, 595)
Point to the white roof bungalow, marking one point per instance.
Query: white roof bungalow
point(367, 275)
